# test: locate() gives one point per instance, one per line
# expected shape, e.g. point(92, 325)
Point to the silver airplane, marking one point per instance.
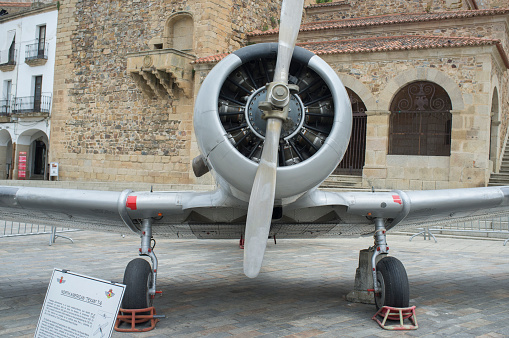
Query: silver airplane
point(272, 122)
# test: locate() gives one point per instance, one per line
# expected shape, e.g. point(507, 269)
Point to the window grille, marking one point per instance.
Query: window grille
point(420, 121)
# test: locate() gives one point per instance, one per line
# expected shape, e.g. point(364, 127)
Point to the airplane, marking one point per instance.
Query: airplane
point(272, 122)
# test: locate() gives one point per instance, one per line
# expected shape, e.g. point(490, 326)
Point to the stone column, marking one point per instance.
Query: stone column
point(3, 162)
point(374, 173)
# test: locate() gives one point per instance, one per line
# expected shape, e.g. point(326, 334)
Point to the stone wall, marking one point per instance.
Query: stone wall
point(377, 77)
point(492, 4)
point(362, 8)
point(103, 127)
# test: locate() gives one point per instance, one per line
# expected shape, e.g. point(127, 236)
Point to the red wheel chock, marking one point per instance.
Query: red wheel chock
point(133, 317)
point(396, 314)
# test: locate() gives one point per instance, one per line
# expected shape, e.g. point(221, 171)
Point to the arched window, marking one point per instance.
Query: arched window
point(179, 32)
point(420, 122)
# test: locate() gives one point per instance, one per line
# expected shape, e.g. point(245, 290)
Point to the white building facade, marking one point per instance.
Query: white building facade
point(27, 62)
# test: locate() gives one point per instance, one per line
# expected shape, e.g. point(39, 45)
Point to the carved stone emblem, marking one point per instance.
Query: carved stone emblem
point(147, 61)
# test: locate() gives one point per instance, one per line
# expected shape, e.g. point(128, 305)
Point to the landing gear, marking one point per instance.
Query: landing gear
point(392, 281)
point(389, 278)
point(139, 275)
point(379, 279)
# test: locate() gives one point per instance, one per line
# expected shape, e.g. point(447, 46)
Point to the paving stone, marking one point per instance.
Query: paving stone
point(458, 285)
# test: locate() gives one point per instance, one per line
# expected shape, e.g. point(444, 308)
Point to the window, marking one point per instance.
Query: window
point(5, 103)
point(420, 122)
point(37, 93)
point(8, 52)
point(41, 41)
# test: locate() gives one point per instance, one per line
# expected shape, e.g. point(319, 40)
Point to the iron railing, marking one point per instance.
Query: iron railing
point(5, 107)
point(420, 133)
point(36, 50)
point(14, 229)
point(491, 227)
point(31, 104)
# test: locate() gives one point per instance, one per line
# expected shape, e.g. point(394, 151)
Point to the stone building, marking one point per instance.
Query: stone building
point(27, 56)
point(428, 83)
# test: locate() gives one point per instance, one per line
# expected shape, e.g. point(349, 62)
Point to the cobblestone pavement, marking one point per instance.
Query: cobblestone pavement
point(460, 286)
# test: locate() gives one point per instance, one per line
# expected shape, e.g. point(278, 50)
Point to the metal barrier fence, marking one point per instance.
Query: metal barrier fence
point(12, 229)
point(494, 227)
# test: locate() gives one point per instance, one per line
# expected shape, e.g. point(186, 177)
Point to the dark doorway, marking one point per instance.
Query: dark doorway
point(39, 163)
point(353, 161)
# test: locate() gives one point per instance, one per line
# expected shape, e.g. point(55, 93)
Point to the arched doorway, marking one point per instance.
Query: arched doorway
point(420, 121)
point(353, 161)
point(33, 145)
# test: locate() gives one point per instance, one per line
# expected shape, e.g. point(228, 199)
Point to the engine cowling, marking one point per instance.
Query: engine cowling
point(230, 130)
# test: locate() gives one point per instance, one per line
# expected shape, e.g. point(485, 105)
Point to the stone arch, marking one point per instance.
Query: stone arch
point(179, 32)
point(361, 90)
point(5, 154)
point(387, 95)
point(35, 144)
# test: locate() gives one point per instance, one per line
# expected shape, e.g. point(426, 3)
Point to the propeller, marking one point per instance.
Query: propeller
point(261, 201)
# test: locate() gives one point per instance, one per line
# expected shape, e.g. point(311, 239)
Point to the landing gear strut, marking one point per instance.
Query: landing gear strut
point(139, 275)
point(380, 280)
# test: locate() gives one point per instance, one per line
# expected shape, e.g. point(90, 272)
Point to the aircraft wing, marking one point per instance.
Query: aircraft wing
point(109, 210)
point(413, 208)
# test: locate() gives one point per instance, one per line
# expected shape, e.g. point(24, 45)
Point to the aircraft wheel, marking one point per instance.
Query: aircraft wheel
point(392, 279)
point(137, 279)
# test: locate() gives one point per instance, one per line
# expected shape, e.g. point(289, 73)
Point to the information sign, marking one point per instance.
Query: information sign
point(53, 169)
point(79, 306)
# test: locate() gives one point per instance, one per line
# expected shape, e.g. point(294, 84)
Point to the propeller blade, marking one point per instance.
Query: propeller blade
point(291, 16)
point(261, 201)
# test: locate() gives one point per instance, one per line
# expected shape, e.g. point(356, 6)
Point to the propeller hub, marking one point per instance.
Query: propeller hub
point(279, 95)
point(258, 125)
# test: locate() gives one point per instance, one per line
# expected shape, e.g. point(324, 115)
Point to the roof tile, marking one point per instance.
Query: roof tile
point(388, 19)
point(382, 44)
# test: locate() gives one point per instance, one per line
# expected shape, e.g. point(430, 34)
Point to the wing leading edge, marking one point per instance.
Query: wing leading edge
point(412, 208)
point(103, 210)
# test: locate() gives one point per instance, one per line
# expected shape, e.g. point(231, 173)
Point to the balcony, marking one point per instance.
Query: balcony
point(8, 59)
point(162, 73)
point(30, 106)
point(36, 54)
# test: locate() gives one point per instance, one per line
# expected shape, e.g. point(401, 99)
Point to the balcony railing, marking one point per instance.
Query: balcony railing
point(5, 107)
point(36, 51)
point(31, 104)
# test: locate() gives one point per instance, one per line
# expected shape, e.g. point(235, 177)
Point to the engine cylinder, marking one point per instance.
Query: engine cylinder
point(230, 131)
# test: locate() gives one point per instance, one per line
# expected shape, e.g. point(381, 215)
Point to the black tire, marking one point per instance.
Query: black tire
point(392, 279)
point(137, 279)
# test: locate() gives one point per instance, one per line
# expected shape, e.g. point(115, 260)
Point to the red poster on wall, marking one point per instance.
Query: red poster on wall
point(22, 157)
point(22, 165)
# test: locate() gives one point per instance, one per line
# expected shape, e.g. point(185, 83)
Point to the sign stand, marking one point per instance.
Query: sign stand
point(79, 306)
